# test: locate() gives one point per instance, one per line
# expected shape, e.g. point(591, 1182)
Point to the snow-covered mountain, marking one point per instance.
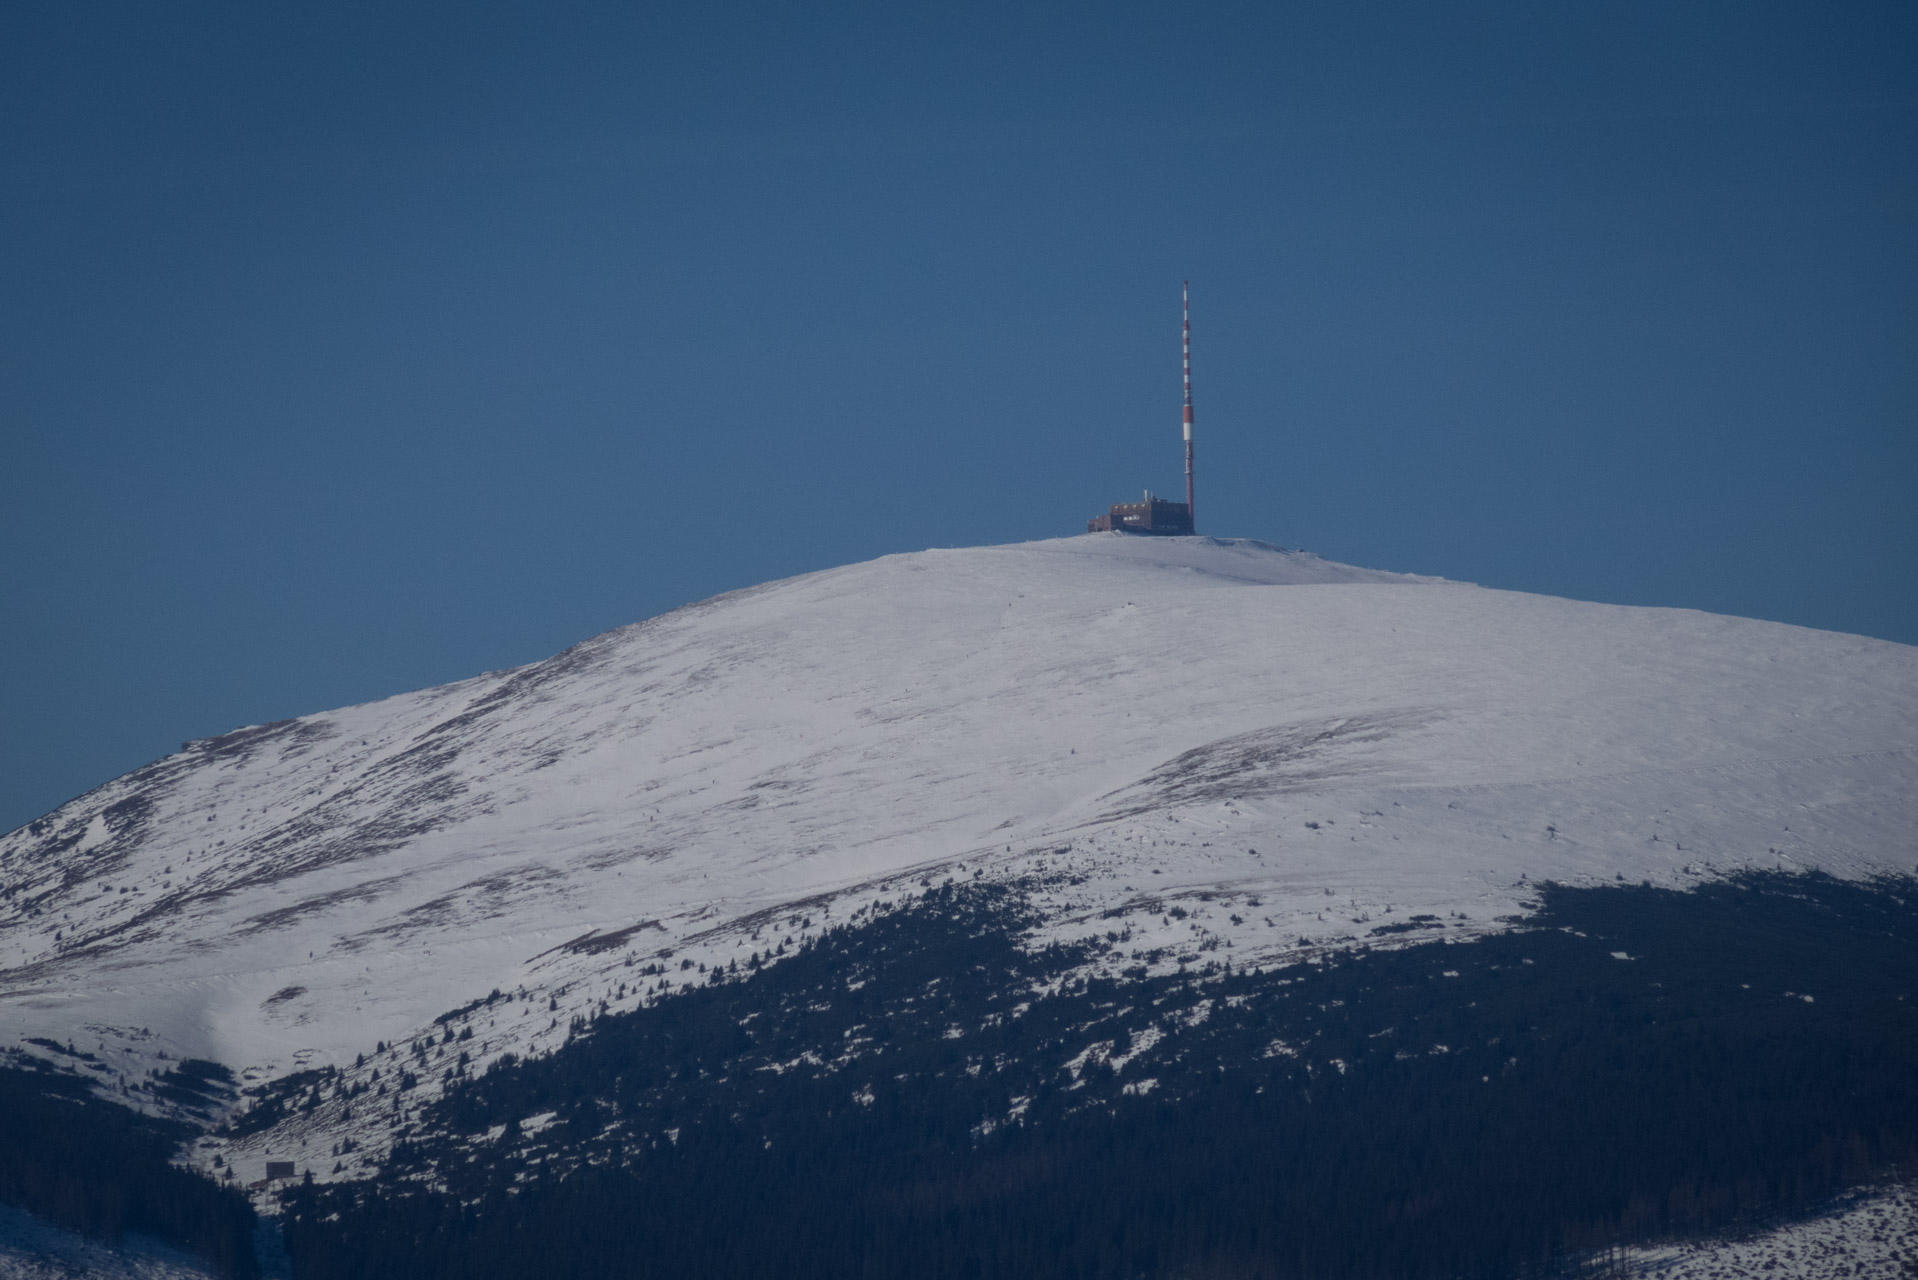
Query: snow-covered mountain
point(1301, 753)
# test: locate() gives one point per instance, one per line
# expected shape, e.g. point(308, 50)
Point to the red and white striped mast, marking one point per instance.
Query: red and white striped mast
point(1185, 302)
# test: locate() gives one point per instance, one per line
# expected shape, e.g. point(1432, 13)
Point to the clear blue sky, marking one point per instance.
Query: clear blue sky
point(351, 348)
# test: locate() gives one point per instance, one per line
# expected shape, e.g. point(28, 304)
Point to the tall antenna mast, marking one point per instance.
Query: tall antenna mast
point(1185, 336)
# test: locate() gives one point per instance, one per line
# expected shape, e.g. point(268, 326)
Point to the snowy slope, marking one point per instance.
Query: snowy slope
point(1870, 1234)
point(32, 1250)
point(1218, 720)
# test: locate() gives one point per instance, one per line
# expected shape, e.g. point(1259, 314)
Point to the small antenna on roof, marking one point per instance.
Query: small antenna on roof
point(1185, 302)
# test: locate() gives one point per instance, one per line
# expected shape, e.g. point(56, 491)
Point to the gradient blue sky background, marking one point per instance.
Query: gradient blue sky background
point(350, 348)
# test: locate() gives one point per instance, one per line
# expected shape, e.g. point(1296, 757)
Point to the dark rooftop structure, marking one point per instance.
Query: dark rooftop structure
point(1153, 515)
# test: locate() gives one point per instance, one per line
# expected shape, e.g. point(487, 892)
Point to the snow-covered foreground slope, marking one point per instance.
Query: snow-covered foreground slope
point(32, 1250)
point(1299, 751)
point(1869, 1236)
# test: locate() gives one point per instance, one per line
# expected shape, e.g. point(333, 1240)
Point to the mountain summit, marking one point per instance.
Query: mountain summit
point(1235, 754)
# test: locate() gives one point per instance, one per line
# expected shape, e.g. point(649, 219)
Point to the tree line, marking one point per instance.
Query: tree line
point(921, 1096)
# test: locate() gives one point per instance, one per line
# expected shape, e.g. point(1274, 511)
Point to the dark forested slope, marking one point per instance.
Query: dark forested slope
point(102, 1169)
point(919, 1096)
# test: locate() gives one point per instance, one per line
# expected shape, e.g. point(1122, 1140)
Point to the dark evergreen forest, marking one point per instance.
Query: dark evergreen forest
point(920, 1097)
point(93, 1166)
